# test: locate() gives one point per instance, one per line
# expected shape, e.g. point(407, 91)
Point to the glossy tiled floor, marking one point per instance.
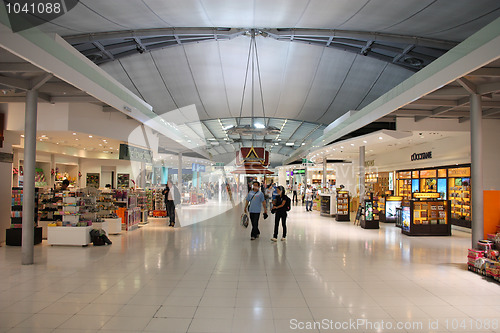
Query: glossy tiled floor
point(209, 277)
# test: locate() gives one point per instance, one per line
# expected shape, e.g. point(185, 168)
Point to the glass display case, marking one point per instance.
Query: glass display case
point(426, 217)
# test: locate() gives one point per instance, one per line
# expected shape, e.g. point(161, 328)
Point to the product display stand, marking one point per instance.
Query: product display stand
point(343, 206)
point(371, 220)
point(13, 236)
point(327, 204)
point(426, 218)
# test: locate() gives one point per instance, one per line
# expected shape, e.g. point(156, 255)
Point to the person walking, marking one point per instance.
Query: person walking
point(172, 198)
point(280, 208)
point(294, 188)
point(309, 198)
point(255, 201)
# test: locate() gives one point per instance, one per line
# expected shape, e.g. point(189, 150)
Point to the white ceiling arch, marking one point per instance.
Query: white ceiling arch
point(316, 80)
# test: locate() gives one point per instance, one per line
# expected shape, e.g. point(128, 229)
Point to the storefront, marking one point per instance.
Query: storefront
point(450, 182)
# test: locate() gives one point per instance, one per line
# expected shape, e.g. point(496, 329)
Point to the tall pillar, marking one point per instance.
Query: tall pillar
point(324, 172)
point(476, 132)
point(179, 175)
point(361, 173)
point(30, 120)
point(143, 175)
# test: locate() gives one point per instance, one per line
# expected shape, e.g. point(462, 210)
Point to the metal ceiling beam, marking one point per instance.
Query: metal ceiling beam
point(103, 50)
point(141, 33)
point(486, 71)
point(467, 85)
point(15, 83)
point(38, 82)
point(449, 91)
point(363, 35)
point(18, 67)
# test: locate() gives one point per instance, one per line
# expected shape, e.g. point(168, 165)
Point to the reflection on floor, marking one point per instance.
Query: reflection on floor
point(210, 277)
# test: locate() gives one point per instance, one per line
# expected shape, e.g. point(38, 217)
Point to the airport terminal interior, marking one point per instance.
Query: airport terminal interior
point(249, 166)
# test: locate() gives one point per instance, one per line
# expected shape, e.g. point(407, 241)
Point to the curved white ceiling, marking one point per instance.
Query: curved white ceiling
point(300, 81)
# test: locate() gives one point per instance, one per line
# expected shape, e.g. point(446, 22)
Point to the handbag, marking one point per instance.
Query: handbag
point(244, 216)
point(244, 220)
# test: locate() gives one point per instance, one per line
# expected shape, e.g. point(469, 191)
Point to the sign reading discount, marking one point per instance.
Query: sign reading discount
point(26, 14)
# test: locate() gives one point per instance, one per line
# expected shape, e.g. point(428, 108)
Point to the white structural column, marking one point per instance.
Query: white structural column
point(29, 177)
point(179, 175)
point(143, 175)
point(324, 171)
point(361, 173)
point(476, 132)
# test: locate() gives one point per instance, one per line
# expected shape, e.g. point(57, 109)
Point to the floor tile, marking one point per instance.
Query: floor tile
point(208, 276)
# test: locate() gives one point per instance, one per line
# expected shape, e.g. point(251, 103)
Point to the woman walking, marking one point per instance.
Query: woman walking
point(281, 206)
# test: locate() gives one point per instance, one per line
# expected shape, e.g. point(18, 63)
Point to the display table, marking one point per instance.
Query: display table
point(101, 225)
point(114, 226)
point(69, 235)
point(44, 225)
point(328, 204)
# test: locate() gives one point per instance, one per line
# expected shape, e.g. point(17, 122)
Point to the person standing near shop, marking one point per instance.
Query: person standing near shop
point(255, 201)
point(294, 188)
point(309, 197)
point(280, 209)
point(172, 198)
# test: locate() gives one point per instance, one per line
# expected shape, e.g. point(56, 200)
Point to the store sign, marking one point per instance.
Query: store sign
point(391, 181)
point(300, 171)
point(421, 156)
point(131, 153)
point(370, 163)
point(418, 195)
point(459, 172)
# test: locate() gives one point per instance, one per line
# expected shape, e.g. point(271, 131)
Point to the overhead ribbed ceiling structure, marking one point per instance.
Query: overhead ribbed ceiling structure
point(318, 58)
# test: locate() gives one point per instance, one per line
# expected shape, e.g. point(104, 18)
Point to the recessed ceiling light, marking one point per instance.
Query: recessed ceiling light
point(352, 144)
point(364, 141)
point(90, 136)
point(342, 147)
point(74, 133)
point(77, 139)
point(380, 138)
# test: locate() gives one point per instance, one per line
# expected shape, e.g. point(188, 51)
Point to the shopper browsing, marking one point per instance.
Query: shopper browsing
point(309, 198)
point(294, 188)
point(280, 208)
point(255, 201)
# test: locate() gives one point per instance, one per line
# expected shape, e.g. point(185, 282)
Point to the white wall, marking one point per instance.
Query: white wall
point(51, 117)
point(447, 151)
point(120, 166)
